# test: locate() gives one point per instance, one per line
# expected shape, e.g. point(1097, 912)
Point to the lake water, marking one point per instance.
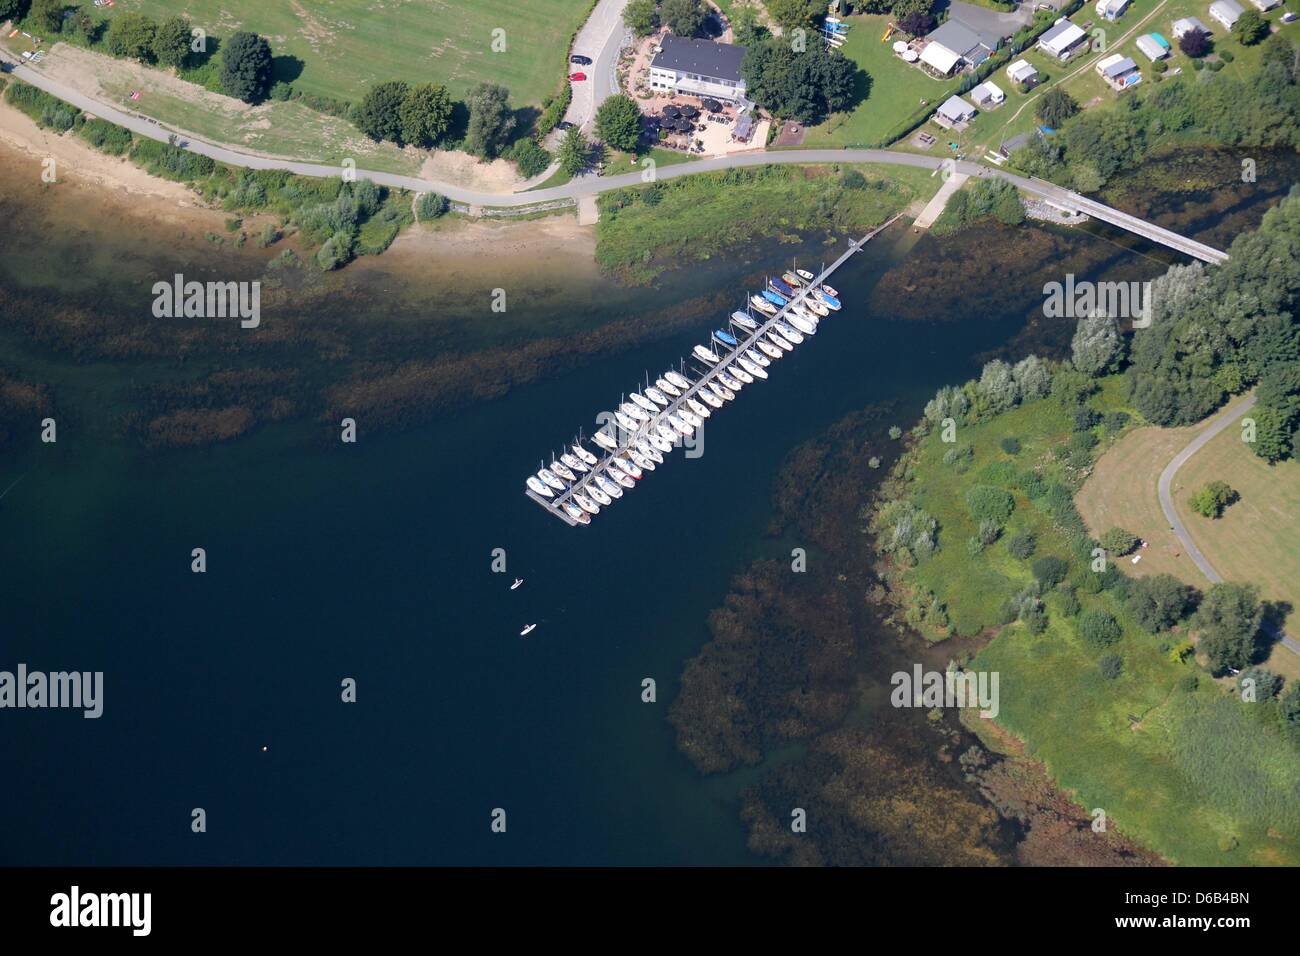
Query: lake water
point(372, 561)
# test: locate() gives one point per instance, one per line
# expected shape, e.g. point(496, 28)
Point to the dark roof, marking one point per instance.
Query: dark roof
point(961, 39)
point(703, 57)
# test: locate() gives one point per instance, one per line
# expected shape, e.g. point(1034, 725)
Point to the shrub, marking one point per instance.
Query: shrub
point(1263, 683)
point(1068, 599)
point(988, 502)
point(989, 531)
point(106, 137)
point(852, 179)
point(1050, 570)
point(531, 159)
point(1035, 618)
point(430, 206)
point(1098, 628)
point(1118, 541)
point(1010, 445)
point(959, 456)
point(1213, 498)
point(1110, 665)
point(1032, 484)
point(1159, 602)
point(1115, 421)
point(1021, 546)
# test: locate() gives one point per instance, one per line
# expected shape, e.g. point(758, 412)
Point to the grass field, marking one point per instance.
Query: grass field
point(345, 45)
point(896, 89)
point(1258, 538)
point(1181, 765)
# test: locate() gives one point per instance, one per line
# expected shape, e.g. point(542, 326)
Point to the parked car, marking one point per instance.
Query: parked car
point(577, 77)
point(563, 125)
point(580, 60)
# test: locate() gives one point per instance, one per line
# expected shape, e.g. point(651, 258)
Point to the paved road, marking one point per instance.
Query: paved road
point(1226, 419)
point(592, 185)
point(600, 38)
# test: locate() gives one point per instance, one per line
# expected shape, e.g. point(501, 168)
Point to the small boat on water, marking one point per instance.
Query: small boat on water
point(725, 338)
point(690, 418)
point(751, 368)
point(585, 455)
point(803, 325)
point(705, 355)
point(664, 446)
point(586, 504)
point(758, 302)
point(551, 480)
point(804, 274)
point(758, 358)
point(518, 581)
point(667, 387)
point(666, 435)
point(648, 450)
point(829, 290)
point(814, 305)
point(604, 441)
point(726, 381)
point(781, 288)
point(789, 333)
point(563, 472)
point(699, 408)
point(645, 403)
point(627, 424)
point(770, 350)
point(628, 467)
point(738, 372)
point(680, 426)
point(792, 280)
point(634, 412)
point(620, 476)
point(535, 485)
point(775, 299)
point(722, 392)
point(744, 321)
point(778, 341)
point(640, 460)
point(610, 489)
point(681, 381)
point(576, 513)
point(527, 630)
point(599, 496)
point(656, 396)
point(709, 398)
point(828, 300)
point(573, 462)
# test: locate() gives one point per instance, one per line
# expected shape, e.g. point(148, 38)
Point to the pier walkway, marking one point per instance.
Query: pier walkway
point(626, 441)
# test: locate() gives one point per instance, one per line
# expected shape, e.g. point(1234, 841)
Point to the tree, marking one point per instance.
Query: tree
point(1033, 377)
point(997, 386)
point(1096, 347)
point(171, 44)
point(989, 502)
point(1228, 621)
point(1159, 602)
point(641, 17)
point(1050, 570)
point(1194, 43)
point(684, 17)
point(529, 157)
point(803, 86)
point(1288, 708)
point(917, 24)
point(574, 152)
point(745, 28)
point(1118, 541)
point(1098, 628)
point(1250, 28)
point(1213, 498)
point(379, 114)
point(1055, 107)
point(490, 119)
point(131, 35)
point(793, 14)
point(13, 9)
point(1272, 433)
point(48, 14)
point(424, 114)
point(1262, 681)
point(618, 122)
point(430, 206)
point(246, 66)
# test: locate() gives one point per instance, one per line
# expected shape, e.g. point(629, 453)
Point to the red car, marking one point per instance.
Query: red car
point(577, 76)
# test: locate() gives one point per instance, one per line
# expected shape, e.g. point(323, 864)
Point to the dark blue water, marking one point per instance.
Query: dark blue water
point(372, 561)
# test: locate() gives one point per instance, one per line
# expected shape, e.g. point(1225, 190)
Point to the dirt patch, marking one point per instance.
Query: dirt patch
point(462, 169)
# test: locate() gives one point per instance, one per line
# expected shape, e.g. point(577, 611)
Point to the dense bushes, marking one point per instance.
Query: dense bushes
point(106, 137)
point(989, 503)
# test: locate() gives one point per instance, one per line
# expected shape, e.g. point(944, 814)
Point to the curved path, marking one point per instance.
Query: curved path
point(1226, 419)
point(587, 186)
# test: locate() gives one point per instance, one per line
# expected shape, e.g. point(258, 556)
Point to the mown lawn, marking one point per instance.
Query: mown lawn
point(1174, 758)
point(345, 45)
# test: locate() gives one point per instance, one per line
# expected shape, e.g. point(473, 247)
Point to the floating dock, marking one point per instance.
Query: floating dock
point(627, 440)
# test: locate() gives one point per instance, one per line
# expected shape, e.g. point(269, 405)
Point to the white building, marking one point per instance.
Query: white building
point(955, 110)
point(698, 68)
point(1022, 71)
point(1226, 12)
point(1263, 6)
point(987, 95)
point(1063, 40)
point(1153, 46)
point(1119, 71)
point(957, 43)
point(939, 58)
point(1187, 25)
point(1112, 9)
